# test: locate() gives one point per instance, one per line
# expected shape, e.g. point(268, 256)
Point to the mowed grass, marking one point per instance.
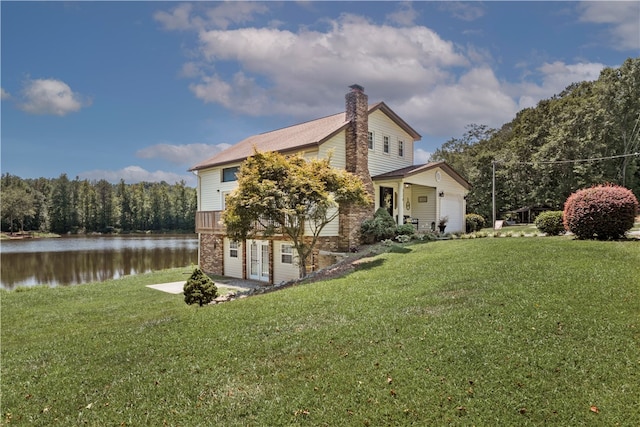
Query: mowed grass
point(509, 331)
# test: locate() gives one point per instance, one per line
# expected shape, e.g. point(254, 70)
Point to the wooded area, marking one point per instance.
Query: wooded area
point(62, 206)
point(541, 154)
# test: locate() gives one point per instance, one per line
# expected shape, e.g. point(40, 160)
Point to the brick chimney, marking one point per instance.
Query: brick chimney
point(357, 162)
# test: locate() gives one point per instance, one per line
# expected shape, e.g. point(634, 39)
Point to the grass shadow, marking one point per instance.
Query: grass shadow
point(368, 263)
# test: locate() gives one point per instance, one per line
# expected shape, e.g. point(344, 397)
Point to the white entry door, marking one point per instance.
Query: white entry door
point(258, 256)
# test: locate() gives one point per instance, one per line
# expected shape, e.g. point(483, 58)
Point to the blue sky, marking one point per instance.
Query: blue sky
point(144, 90)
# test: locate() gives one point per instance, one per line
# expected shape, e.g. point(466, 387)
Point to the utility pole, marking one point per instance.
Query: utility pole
point(493, 191)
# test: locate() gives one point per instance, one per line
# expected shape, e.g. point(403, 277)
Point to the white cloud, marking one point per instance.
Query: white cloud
point(622, 20)
point(476, 97)
point(438, 86)
point(420, 156)
point(134, 174)
point(4, 94)
point(405, 15)
point(307, 71)
point(555, 78)
point(178, 19)
point(465, 11)
point(187, 154)
point(225, 14)
point(50, 96)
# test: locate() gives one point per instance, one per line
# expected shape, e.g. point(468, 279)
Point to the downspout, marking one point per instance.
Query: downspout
point(198, 207)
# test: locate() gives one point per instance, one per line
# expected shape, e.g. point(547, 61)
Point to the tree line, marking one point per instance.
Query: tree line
point(547, 152)
point(61, 205)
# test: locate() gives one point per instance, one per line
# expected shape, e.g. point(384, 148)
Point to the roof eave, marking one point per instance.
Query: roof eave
point(241, 159)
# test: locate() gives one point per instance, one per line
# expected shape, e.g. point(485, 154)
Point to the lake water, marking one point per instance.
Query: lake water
point(83, 259)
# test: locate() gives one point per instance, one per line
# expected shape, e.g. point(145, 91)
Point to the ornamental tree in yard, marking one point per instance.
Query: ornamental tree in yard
point(603, 212)
point(291, 196)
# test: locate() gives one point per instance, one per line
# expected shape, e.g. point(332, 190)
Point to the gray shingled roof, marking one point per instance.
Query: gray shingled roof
point(294, 138)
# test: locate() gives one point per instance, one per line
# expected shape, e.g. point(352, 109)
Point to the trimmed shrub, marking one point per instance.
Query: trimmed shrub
point(405, 230)
point(602, 212)
point(380, 227)
point(474, 222)
point(199, 289)
point(550, 223)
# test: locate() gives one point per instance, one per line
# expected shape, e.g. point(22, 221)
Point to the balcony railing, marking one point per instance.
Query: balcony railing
point(209, 222)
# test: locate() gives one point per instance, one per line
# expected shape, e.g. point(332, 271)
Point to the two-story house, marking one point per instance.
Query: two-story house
point(370, 141)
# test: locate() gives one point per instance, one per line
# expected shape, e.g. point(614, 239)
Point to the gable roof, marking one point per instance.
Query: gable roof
point(296, 137)
point(416, 169)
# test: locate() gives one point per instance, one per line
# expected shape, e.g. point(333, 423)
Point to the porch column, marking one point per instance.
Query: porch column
point(400, 203)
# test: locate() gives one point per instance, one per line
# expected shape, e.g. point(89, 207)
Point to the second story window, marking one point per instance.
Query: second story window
point(229, 174)
point(385, 144)
point(370, 140)
point(401, 148)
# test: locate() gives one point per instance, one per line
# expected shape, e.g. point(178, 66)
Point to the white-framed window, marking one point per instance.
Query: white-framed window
point(286, 253)
point(229, 174)
point(385, 144)
point(233, 248)
point(401, 148)
point(370, 140)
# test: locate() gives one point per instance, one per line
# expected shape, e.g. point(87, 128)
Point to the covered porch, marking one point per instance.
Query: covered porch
point(422, 195)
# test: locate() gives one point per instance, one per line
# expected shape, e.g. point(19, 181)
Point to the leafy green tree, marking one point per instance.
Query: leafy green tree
point(289, 196)
point(126, 213)
point(60, 205)
point(619, 94)
point(105, 205)
point(18, 203)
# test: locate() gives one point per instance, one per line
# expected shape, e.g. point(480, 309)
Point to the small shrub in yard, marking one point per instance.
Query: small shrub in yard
point(406, 230)
point(474, 222)
point(602, 212)
point(199, 289)
point(403, 238)
point(550, 222)
point(380, 227)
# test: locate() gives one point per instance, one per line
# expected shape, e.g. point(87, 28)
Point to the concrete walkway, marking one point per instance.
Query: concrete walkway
point(234, 285)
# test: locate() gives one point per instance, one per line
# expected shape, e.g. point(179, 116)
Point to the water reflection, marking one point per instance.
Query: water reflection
point(89, 261)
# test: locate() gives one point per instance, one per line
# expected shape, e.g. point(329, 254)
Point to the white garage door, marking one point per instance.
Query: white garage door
point(452, 207)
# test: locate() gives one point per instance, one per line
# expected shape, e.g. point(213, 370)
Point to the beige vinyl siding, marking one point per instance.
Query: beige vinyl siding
point(335, 146)
point(209, 183)
point(283, 272)
point(331, 229)
point(232, 266)
point(426, 212)
point(212, 189)
point(380, 162)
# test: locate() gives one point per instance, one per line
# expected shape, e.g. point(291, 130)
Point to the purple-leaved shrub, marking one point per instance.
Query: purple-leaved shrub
point(602, 212)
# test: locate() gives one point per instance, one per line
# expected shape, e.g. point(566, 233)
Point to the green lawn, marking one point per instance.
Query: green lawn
point(519, 331)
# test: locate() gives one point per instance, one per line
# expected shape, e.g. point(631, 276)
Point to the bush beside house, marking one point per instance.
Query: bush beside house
point(474, 222)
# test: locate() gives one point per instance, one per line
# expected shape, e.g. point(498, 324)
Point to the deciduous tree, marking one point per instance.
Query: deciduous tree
point(291, 196)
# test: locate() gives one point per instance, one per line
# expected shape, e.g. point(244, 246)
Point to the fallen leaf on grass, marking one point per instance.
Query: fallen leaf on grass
point(594, 409)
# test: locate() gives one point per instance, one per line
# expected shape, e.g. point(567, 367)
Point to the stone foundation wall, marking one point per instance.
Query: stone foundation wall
point(212, 254)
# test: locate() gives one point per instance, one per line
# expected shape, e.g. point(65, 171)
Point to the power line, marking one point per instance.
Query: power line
point(552, 162)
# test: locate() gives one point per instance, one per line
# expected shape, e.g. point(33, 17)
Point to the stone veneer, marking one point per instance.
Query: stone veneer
point(357, 155)
point(212, 253)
